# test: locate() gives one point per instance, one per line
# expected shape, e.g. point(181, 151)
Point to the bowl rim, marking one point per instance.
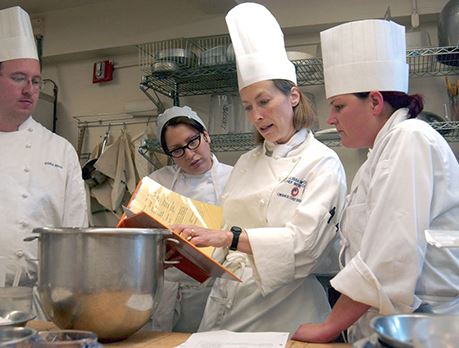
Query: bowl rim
point(27, 317)
point(30, 333)
point(115, 231)
point(387, 339)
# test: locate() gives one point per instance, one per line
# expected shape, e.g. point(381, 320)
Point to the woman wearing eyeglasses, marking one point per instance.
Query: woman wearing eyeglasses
point(197, 174)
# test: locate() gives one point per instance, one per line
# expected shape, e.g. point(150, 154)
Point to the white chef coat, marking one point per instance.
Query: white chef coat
point(207, 187)
point(40, 185)
point(287, 197)
point(183, 299)
point(409, 183)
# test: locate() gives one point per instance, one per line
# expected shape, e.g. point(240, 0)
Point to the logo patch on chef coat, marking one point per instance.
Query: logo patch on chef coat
point(292, 189)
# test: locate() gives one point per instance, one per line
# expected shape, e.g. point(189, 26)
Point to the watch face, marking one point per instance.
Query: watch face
point(236, 229)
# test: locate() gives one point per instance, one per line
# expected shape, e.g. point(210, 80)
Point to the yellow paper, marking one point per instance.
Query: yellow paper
point(169, 207)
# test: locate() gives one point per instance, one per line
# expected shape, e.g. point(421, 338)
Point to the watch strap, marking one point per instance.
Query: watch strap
point(236, 233)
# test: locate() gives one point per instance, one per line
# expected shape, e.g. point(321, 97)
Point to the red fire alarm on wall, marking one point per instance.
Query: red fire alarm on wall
point(103, 71)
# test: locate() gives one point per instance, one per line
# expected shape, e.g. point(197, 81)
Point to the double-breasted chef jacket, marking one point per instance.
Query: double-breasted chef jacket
point(183, 300)
point(41, 185)
point(395, 196)
point(287, 198)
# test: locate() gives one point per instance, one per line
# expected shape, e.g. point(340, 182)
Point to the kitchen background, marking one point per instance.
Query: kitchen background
point(78, 33)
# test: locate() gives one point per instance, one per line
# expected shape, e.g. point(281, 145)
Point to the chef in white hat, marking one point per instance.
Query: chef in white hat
point(41, 182)
point(197, 174)
point(281, 203)
point(408, 184)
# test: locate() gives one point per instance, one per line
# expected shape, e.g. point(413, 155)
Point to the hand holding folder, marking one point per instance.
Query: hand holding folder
point(154, 206)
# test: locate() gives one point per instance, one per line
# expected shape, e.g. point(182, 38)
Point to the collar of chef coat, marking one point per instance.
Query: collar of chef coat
point(398, 116)
point(29, 122)
point(281, 150)
point(212, 172)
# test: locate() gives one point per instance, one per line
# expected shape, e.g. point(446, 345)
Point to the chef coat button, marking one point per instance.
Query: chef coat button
point(23, 224)
point(30, 129)
point(26, 170)
point(19, 253)
point(28, 146)
point(24, 195)
point(294, 160)
point(262, 202)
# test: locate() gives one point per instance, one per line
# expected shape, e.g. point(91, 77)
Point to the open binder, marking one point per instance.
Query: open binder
point(154, 206)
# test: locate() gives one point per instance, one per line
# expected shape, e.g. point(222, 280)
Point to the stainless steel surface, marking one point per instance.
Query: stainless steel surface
point(437, 331)
point(397, 330)
point(16, 337)
point(14, 318)
point(448, 30)
point(214, 56)
point(201, 79)
point(67, 339)
point(246, 141)
point(17, 298)
point(172, 59)
point(104, 280)
point(448, 24)
point(164, 66)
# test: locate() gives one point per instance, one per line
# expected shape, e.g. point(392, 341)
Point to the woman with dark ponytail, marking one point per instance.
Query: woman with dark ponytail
point(397, 100)
point(408, 184)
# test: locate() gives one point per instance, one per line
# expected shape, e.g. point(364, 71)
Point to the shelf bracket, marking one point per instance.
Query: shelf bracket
point(153, 98)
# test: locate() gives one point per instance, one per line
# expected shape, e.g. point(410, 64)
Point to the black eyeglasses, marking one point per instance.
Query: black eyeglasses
point(192, 145)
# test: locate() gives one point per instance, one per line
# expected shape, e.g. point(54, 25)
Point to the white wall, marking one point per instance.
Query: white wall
point(75, 38)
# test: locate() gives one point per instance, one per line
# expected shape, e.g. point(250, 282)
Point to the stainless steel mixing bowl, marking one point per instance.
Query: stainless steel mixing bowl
point(397, 330)
point(15, 318)
point(16, 337)
point(104, 280)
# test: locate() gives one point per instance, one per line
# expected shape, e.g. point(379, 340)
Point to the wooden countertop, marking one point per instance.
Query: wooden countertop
point(150, 339)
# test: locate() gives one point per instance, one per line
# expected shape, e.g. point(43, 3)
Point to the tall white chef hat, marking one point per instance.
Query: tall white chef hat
point(364, 56)
point(16, 35)
point(258, 45)
point(173, 112)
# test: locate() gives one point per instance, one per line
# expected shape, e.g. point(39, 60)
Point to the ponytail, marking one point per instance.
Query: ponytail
point(398, 100)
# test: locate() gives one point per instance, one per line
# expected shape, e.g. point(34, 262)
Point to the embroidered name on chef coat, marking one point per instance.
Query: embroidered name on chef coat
point(294, 189)
point(53, 165)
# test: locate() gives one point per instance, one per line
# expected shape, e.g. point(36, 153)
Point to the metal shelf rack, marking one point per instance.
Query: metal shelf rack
point(206, 65)
point(246, 141)
point(189, 74)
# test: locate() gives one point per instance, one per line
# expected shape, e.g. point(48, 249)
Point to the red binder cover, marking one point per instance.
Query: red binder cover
point(193, 261)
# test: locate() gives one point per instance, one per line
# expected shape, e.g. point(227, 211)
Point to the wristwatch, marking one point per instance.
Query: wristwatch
point(236, 233)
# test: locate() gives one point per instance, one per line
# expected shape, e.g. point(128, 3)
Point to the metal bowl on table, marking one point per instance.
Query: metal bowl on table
point(397, 330)
point(16, 337)
point(14, 318)
point(104, 280)
point(437, 331)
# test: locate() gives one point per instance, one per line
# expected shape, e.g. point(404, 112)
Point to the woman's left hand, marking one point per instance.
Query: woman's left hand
point(202, 237)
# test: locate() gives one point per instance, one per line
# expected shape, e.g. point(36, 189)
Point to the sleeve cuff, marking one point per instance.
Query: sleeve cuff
point(272, 259)
point(357, 281)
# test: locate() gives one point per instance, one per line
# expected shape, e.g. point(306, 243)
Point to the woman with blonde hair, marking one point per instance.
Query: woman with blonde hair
point(283, 197)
